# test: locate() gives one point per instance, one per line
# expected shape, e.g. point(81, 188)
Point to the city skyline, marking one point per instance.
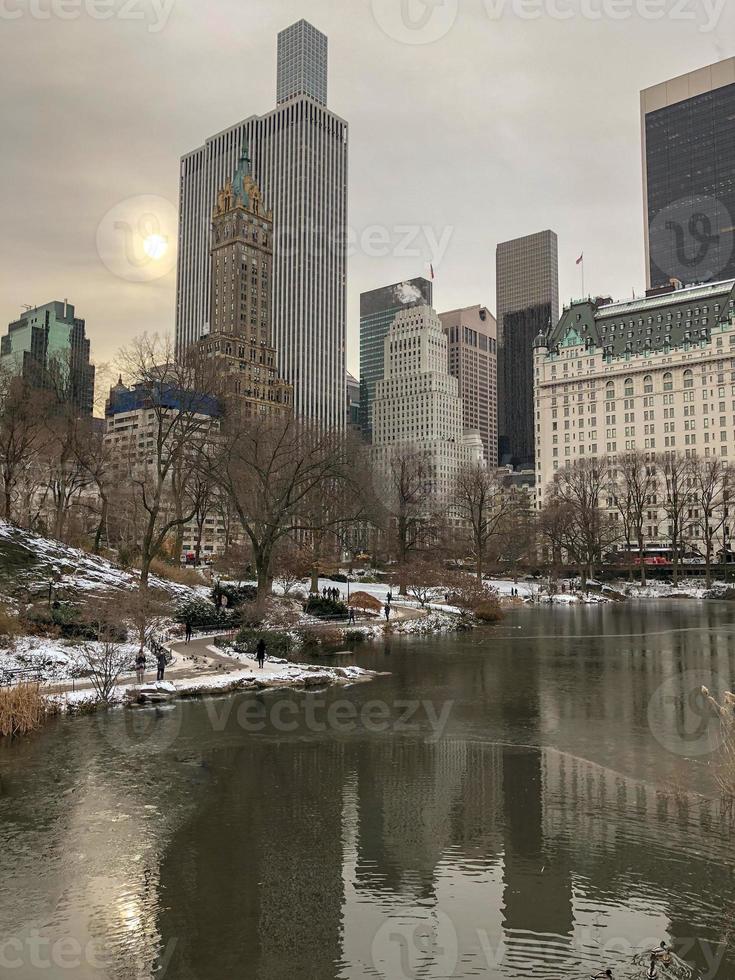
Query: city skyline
point(569, 193)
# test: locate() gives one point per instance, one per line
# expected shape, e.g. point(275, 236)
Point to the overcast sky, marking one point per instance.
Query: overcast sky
point(491, 120)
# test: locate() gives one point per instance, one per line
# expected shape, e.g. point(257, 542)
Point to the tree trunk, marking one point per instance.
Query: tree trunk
point(262, 565)
point(642, 559)
point(101, 525)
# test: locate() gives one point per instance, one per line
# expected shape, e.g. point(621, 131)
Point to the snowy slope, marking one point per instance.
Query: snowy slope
point(28, 562)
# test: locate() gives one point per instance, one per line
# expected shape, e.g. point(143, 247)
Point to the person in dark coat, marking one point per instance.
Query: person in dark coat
point(140, 667)
point(386, 609)
point(188, 631)
point(260, 652)
point(161, 663)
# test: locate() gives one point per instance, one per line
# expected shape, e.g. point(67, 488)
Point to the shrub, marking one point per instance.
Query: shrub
point(489, 611)
point(175, 573)
point(325, 608)
point(9, 624)
point(22, 709)
point(70, 622)
point(236, 595)
point(203, 614)
point(276, 644)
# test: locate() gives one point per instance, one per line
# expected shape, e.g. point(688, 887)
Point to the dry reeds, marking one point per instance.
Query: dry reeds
point(22, 709)
point(181, 575)
point(725, 764)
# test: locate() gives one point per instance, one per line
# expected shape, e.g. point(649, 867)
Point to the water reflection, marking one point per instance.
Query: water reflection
point(547, 833)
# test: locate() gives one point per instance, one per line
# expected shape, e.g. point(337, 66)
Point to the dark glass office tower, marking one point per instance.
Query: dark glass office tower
point(527, 283)
point(688, 127)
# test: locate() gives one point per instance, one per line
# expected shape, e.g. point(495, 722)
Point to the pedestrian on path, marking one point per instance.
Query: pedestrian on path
point(161, 662)
point(188, 631)
point(260, 652)
point(352, 615)
point(387, 612)
point(140, 667)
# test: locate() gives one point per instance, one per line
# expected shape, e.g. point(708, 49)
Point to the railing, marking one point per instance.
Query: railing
point(8, 678)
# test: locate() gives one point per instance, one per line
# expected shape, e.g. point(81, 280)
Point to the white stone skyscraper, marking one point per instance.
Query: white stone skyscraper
point(299, 160)
point(417, 402)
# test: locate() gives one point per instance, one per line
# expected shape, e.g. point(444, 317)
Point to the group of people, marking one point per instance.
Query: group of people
point(140, 663)
point(660, 956)
point(332, 594)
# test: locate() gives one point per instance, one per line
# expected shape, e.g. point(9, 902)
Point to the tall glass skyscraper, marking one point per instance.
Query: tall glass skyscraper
point(527, 283)
point(378, 310)
point(688, 129)
point(299, 160)
point(302, 63)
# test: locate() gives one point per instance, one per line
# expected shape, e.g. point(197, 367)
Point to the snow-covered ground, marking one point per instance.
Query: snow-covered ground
point(53, 661)
point(40, 560)
point(287, 675)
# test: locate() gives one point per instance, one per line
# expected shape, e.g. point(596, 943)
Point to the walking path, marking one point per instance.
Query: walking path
point(193, 660)
point(200, 658)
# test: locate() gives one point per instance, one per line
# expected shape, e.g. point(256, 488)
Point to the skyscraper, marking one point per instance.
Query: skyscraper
point(473, 361)
point(48, 347)
point(240, 316)
point(527, 282)
point(688, 133)
point(302, 63)
point(417, 404)
point(378, 310)
point(299, 160)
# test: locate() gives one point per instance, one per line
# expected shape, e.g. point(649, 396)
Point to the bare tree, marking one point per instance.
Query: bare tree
point(590, 530)
point(291, 566)
point(105, 661)
point(96, 456)
point(555, 527)
point(271, 468)
point(22, 435)
point(486, 505)
point(710, 479)
point(182, 400)
point(426, 580)
point(633, 487)
point(411, 515)
point(674, 477)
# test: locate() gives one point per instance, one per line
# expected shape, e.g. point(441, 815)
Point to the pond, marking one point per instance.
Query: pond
point(529, 800)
